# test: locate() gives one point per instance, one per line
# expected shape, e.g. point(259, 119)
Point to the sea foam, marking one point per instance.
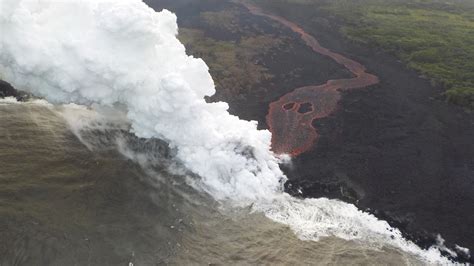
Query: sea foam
point(124, 53)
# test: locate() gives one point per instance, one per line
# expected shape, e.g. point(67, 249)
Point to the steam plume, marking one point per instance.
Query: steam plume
point(122, 52)
point(110, 52)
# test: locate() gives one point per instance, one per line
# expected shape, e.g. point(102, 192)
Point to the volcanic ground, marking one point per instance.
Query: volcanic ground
point(392, 148)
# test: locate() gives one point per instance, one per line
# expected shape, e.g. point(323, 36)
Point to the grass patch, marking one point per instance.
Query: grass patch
point(435, 38)
point(234, 65)
point(461, 96)
point(224, 20)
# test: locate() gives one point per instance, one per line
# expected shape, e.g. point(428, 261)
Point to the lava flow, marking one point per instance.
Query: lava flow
point(291, 118)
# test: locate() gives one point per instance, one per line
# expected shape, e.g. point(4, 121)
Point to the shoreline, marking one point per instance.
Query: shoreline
point(391, 150)
point(394, 151)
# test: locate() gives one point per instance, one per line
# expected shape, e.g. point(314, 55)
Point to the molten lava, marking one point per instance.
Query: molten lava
point(291, 118)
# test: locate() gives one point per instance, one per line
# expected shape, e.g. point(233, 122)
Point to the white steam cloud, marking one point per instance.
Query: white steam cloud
point(123, 52)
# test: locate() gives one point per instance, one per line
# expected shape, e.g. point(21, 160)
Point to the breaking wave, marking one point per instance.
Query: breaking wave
point(122, 54)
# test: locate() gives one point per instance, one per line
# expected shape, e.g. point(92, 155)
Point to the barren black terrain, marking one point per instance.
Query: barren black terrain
point(393, 149)
point(404, 155)
point(6, 90)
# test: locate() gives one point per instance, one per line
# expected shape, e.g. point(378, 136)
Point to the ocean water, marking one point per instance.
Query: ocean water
point(94, 185)
point(104, 197)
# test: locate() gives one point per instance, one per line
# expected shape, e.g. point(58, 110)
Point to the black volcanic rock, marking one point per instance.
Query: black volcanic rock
point(7, 90)
point(409, 156)
point(391, 149)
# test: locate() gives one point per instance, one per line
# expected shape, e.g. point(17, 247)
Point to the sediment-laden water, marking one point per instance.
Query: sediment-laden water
point(96, 185)
point(64, 204)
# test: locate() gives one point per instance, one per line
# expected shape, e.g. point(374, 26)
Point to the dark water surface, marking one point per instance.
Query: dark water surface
point(63, 204)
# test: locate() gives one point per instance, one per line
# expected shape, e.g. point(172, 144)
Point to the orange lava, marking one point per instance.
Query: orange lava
point(292, 131)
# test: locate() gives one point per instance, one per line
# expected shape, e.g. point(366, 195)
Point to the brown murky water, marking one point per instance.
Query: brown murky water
point(63, 204)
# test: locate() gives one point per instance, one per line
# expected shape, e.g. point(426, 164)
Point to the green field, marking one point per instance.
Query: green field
point(232, 64)
point(435, 38)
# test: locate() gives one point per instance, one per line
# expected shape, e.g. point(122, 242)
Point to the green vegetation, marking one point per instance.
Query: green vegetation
point(224, 20)
point(461, 96)
point(436, 38)
point(233, 64)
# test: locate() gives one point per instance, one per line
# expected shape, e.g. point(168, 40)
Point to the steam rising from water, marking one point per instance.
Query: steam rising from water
point(124, 53)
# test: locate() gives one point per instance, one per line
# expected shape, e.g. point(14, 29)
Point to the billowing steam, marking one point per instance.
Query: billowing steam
point(121, 52)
